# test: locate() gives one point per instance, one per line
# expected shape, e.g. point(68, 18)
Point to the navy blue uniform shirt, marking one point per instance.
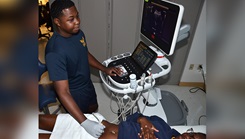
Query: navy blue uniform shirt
point(67, 59)
point(130, 128)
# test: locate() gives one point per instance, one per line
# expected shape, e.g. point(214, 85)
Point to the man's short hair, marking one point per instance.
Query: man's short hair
point(58, 5)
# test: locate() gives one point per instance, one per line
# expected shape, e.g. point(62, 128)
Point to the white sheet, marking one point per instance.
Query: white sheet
point(66, 127)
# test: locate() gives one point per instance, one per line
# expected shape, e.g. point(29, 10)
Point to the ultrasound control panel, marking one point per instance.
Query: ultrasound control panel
point(138, 63)
point(127, 67)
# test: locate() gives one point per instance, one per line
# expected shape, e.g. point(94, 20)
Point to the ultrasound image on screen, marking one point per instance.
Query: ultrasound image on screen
point(158, 24)
point(156, 17)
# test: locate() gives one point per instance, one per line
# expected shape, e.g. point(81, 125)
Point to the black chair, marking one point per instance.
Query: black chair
point(47, 94)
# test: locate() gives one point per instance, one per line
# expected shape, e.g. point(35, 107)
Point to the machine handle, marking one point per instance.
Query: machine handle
point(164, 71)
point(167, 63)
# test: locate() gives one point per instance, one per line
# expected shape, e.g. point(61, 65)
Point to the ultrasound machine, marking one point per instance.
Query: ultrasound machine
point(134, 89)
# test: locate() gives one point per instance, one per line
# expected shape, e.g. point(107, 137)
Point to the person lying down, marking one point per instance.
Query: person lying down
point(137, 126)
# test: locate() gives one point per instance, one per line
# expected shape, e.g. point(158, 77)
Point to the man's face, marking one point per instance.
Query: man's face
point(69, 21)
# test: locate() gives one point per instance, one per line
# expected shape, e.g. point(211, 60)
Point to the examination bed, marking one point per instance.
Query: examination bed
point(76, 130)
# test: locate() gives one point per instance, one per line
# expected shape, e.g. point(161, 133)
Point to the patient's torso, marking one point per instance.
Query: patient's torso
point(110, 132)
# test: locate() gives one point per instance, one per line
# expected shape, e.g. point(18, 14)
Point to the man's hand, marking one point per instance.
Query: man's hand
point(147, 129)
point(93, 128)
point(113, 71)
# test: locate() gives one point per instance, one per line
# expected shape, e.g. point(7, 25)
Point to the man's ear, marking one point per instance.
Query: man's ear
point(57, 21)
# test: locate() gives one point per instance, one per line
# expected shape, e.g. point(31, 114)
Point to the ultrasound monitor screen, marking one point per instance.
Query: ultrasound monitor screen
point(159, 23)
point(144, 56)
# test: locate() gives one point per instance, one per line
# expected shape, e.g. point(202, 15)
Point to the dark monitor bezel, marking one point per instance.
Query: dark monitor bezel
point(165, 48)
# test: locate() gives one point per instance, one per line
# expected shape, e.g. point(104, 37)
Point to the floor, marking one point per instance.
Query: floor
point(196, 102)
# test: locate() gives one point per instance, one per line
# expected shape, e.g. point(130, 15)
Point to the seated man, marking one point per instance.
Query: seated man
point(136, 126)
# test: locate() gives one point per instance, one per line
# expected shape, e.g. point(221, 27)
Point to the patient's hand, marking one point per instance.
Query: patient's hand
point(147, 129)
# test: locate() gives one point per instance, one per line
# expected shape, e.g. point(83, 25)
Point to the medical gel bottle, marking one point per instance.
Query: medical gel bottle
point(133, 82)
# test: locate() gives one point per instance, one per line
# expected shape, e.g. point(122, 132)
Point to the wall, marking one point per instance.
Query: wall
point(94, 21)
point(197, 54)
point(125, 16)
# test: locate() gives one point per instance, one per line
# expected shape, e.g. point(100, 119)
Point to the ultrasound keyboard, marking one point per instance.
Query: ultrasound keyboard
point(127, 66)
point(138, 63)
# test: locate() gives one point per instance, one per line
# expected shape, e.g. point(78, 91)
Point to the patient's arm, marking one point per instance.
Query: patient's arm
point(110, 132)
point(46, 122)
point(44, 136)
